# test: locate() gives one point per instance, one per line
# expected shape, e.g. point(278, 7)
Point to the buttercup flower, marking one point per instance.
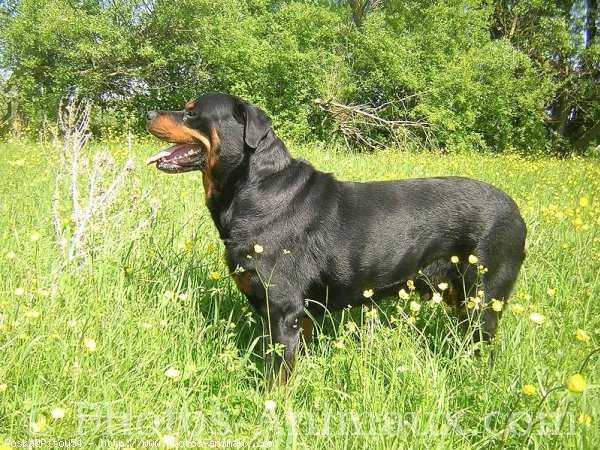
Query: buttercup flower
point(39, 424)
point(411, 285)
point(537, 318)
point(582, 335)
point(529, 389)
point(437, 297)
point(169, 441)
point(215, 275)
point(576, 383)
point(58, 413)
point(454, 259)
point(414, 306)
point(585, 419)
point(473, 302)
point(517, 308)
point(35, 236)
point(19, 291)
point(403, 294)
point(258, 248)
point(32, 314)
point(497, 305)
point(89, 344)
point(270, 405)
point(473, 259)
point(172, 372)
point(443, 286)
point(368, 293)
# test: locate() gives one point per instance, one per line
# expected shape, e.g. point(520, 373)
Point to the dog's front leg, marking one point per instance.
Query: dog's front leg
point(282, 336)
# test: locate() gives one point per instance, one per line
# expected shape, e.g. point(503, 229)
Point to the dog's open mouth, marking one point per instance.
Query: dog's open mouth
point(179, 158)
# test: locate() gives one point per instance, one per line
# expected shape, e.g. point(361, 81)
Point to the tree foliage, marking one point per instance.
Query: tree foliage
point(495, 75)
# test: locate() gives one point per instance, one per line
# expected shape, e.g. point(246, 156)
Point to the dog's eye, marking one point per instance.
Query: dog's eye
point(190, 115)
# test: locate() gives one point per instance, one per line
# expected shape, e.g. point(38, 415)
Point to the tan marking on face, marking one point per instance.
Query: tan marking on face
point(190, 105)
point(209, 172)
point(165, 128)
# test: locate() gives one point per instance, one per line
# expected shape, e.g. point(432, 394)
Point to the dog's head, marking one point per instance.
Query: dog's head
point(214, 127)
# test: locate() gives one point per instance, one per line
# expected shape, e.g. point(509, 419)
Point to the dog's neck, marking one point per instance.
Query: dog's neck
point(269, 161)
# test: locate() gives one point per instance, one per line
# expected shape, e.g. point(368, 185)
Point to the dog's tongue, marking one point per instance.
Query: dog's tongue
point(179, 148)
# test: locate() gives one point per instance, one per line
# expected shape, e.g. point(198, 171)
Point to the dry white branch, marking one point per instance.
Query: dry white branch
point(91, 191)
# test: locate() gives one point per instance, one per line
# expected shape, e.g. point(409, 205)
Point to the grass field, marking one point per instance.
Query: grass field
point(148, 342)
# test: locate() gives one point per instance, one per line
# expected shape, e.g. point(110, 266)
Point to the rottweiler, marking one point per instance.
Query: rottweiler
point(299, 242)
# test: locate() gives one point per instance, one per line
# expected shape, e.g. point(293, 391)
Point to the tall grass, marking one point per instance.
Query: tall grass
point(148, 342)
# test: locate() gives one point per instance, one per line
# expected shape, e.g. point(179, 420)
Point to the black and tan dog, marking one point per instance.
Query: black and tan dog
point(330, 241)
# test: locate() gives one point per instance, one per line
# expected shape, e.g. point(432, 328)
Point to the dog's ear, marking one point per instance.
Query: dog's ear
point(256, 124)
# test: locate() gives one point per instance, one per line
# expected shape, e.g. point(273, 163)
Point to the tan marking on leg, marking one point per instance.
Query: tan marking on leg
point(243, 282)
point(307, 330)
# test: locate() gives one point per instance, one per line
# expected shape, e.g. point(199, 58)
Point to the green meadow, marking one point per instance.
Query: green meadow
point(141, 339)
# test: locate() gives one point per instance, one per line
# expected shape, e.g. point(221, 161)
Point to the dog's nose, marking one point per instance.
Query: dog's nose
point(150, 115)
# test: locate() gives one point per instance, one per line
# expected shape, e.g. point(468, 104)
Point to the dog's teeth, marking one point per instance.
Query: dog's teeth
point(157, 157)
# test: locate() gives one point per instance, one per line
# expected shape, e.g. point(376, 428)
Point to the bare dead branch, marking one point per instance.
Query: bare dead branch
point(360, 124)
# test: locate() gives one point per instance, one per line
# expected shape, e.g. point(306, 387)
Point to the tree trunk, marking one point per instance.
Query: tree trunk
point(357, 12)
point(591, 14)
point(587, 137)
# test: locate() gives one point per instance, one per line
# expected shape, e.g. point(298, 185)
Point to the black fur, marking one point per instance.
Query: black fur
point(329, 240)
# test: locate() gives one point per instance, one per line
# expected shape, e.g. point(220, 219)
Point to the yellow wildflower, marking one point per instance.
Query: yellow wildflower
point(473, 302)
point(529, 389)
point(169, 441)
point(270, 405)
point(58, 413)
point(368, 293)
point(585, 419)
point(537, 318)
point(497, 305)
point(576, 383)
point(89, 344)
point(517, 308)
point(171, 372)
point(582, 335)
